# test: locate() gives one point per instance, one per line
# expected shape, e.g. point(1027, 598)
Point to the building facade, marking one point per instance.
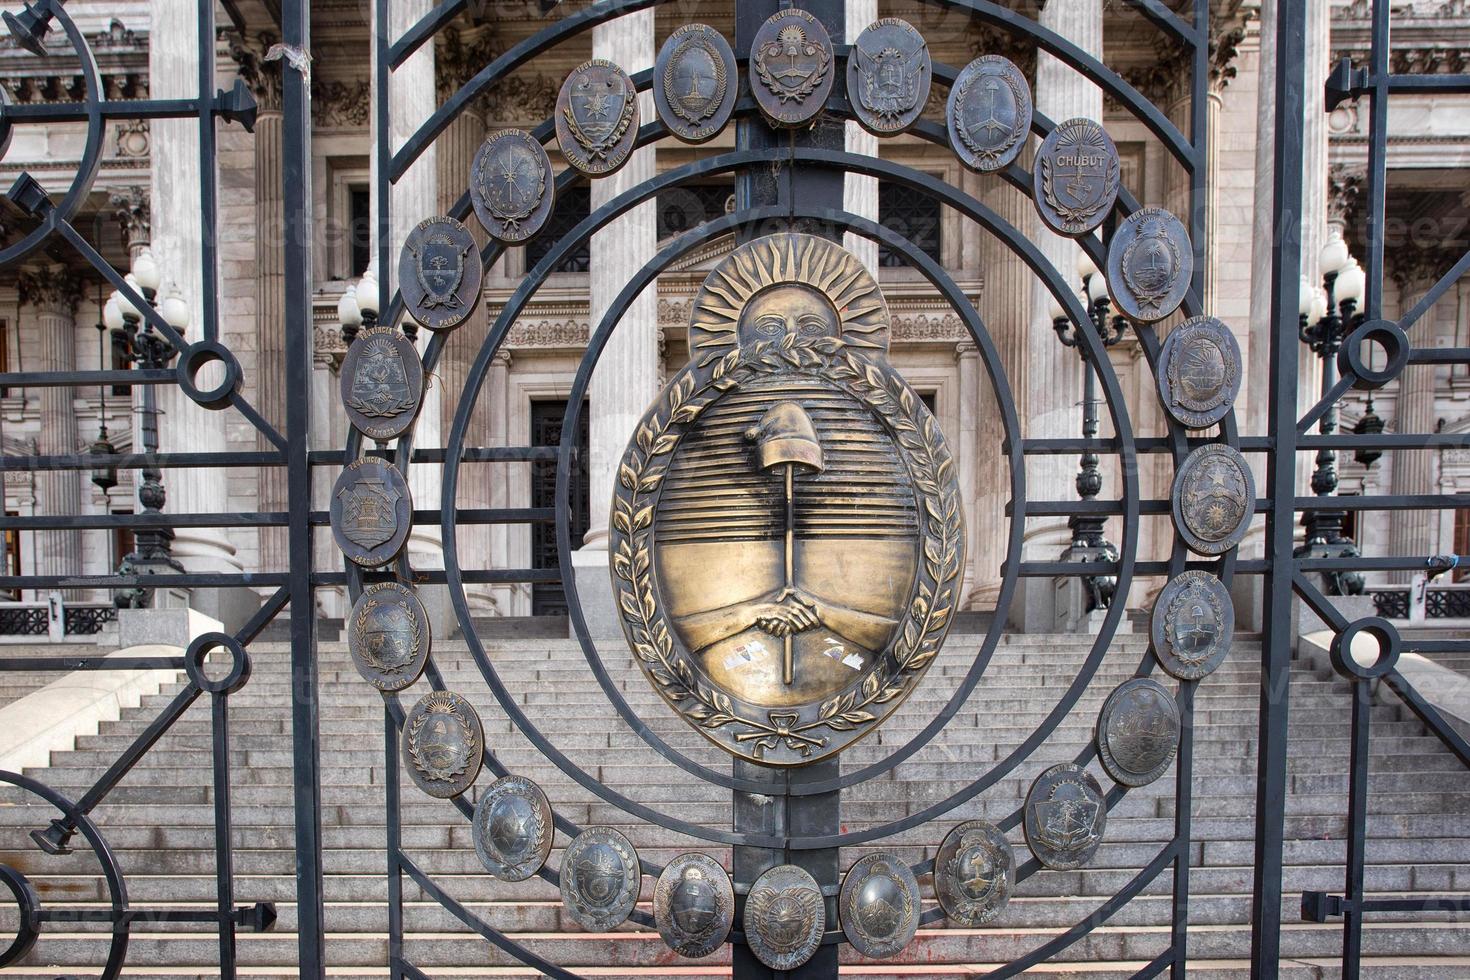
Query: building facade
point(52, 315)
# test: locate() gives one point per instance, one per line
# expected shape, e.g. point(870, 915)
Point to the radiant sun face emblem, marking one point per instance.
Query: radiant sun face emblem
point(788, 308)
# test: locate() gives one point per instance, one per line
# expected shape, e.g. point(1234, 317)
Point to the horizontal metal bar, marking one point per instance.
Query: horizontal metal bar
point(195, 580)
point(91, 663)
point(1399, 501)
point(86, 379)
point(1430, 84)
point(52, 112)
point(1067, 508)
point(137, 461)
point(480, 454)
point(435, 576)
point(1439, 355)
point(94, 522)
point(1150, 444)
point(1410, 644)
point(1387, 440)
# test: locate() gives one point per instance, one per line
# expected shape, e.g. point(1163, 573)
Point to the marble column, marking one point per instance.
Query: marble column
point(269, 377)
point(411, 100)
point(1005, 307)
point(495, 409)
point(48, 298)
point(1413, 533)
point(456, 63)
point(626, 379)
point(177, 245)
point(859, 193)
point(967, 357)
point(1054, 383)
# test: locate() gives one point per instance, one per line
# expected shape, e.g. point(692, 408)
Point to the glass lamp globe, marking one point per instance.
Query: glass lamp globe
point(1056, 310)
point(175, 310)
point(349, 314)
point(367, 292)
point(1335, 255)
point(123, 303)
point(146, 272)
point(1086, 268)
point(1307, 298)
point(112, 317)
point(1319, 306)
point(1351, 283)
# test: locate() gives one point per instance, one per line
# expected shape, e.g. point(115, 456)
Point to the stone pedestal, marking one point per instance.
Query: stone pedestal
point(172, 627)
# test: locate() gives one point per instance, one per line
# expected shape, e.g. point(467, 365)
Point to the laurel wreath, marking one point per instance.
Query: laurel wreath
point(1148, 298)
point(598, 149)
point(643, 471)
point(1070, 215)
point(531, 861)
point(362, 620)
point(809, 86)
point(413, 743)
point(987, 157)
point(715, 100)
point(510, 220)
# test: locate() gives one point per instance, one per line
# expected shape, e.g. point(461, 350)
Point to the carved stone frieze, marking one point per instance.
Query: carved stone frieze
point(340, 104)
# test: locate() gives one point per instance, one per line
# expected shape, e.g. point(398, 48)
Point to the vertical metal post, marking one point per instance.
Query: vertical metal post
point(778, 812)
point(1286, 186)
point(391, 801)
point(305, 723)
point(1352, 917)
point(224, 860)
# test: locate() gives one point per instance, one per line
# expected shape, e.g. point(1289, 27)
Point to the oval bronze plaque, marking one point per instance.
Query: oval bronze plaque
point(600, 878)
point(786, 527)
point(879, 905)
point(695, 80)
point(785, 916)
point(372, 512)
point(694, 905)
point(388, 636)
point(1138, 731)
point(974, 871)
point(1213, 499)
point(1150, 262)
point(382, 383)
point(597, 117)
point(512, 828)
point(439, 273)
point(988, 113)
point(443, 744)
point(791, 67)
point(1075, 182)
point(1192, 624)
point(1065, 816)
point(512, 186)
point(888, 76)
point(1199, 372)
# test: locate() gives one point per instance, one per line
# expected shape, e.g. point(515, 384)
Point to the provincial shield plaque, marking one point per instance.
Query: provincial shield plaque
point(989, 113)
point(785, 916)
point(1138, 731)
point(888, 76)
point(1192, 624)
point(382, 383)
point(512, 828)
point(974, 870)
point(597, 117)
point(443, 744)
point(1075, 181)
point(1199, 372)
point(694, 82)
point(600, 878)
point(1150, 263)
point(371, 512)
point(388, 636)
point(439, 273)
point(791, 67)
point(786, 526)
point(1065, 816)
point(879, 905)
point(694, 905)
point(512, 186)
point(1214, 497)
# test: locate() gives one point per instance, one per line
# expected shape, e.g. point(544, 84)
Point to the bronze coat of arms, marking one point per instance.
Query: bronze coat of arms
point(787, 537)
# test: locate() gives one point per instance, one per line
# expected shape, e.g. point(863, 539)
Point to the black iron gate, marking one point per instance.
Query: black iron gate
point(805, 192)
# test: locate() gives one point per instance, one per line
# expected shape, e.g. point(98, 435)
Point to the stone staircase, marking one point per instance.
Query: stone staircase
point(159, 823)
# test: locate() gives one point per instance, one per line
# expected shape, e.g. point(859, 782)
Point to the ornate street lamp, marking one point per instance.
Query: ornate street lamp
point(1088, 542)
point(104, 476)
point(153, 548)
point(1328, 316)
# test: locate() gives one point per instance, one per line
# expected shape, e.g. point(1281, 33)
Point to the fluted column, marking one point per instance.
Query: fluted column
point(184, 426)
point(859, 193)
point(414, 198)
point(269, 379)
point(967, 356)
point(626, 379)
point(1005, 307)
point(48, 296)
point(1413, 533)
point(1054, 383)
point(457, 147)
point(495, 408)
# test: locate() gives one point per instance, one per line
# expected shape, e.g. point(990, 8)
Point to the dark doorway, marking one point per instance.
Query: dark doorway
point(549, 598)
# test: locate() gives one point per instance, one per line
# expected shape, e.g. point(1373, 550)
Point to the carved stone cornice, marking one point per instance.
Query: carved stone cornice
point(263, 77)
point(131, 208)
point(339, 104)
point(122, 62)
point(50, 289)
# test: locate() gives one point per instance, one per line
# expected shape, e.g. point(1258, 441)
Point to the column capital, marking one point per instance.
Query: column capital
point(458, 55)
point(51, 289)
point(1416, 267)
point(1344, 187)
point(263, 77)
point(502, 359)
point(965, 349)
point(134, 213)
